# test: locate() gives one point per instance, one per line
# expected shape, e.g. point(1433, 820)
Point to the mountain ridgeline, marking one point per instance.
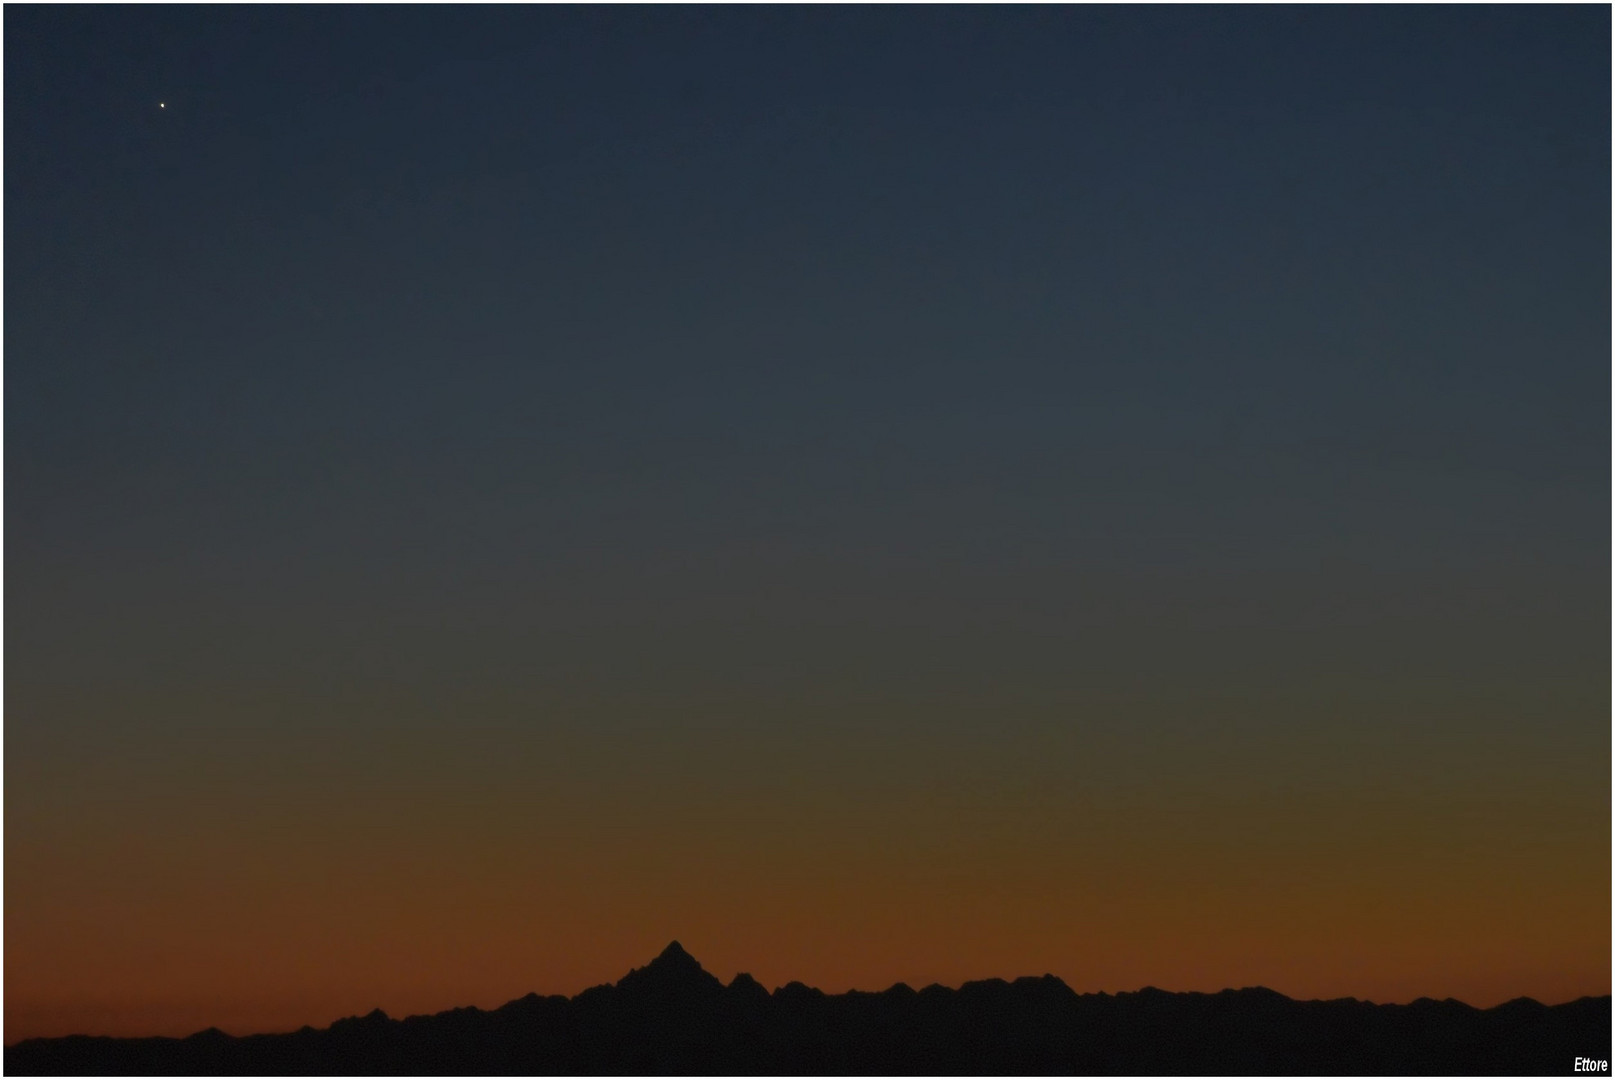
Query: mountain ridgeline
point(673, 1017)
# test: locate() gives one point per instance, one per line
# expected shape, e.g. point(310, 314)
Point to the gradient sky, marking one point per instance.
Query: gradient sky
point(875, 494)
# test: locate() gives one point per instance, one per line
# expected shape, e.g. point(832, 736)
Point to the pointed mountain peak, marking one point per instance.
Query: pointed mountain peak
point(673, 969)
point(674, 953)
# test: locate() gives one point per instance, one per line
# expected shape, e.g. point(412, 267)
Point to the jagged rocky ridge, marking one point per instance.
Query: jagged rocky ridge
point(672, 1016)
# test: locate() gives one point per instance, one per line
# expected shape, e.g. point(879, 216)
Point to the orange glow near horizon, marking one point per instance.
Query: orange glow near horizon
point(284, 923)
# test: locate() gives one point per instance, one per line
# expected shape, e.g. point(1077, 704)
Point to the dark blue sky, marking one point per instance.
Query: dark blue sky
point(384, 292)
point(786, 374)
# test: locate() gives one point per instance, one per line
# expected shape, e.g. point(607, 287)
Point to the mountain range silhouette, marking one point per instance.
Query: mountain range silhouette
point(674, 1017)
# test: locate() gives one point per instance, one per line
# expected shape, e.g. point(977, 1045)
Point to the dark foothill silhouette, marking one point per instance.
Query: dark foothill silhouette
point(672, 1016)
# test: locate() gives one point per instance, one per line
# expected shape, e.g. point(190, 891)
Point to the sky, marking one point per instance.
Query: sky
point(876, 494)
